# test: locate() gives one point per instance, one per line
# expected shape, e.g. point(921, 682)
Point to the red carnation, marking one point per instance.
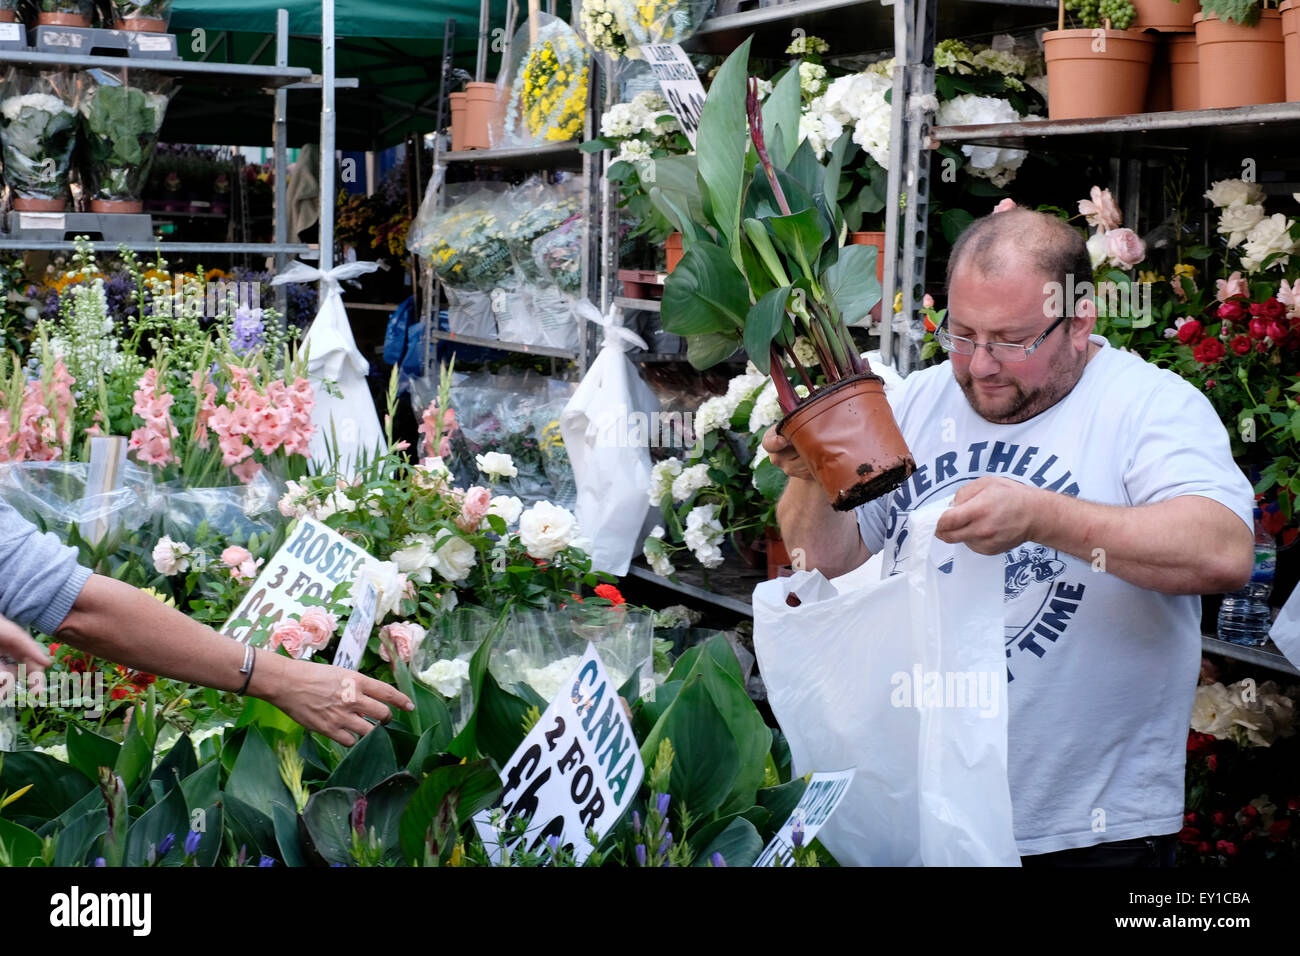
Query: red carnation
point(609, 593)
point(1209, 351)
point(1279, 830)
point(1250, 813)
point(1210, 383)
point(1231, 311)
point(1189, 333)
point(1203, 849)
point(1240, 344)
point(119, 693)
point(1270, 310)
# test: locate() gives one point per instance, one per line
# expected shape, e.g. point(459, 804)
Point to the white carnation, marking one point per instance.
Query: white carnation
point(171, 557)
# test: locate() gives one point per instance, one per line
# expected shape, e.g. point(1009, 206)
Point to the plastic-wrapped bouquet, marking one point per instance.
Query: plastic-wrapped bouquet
point(548, 95)
point(121, 123)
point(558, 255)
point(599, 24)
point(535, 210)
point(660, 21)
point(39, 131)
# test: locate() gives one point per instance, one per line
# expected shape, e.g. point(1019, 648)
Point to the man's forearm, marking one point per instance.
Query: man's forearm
point(815, 534)
point(115, 621)
point(1188, 545)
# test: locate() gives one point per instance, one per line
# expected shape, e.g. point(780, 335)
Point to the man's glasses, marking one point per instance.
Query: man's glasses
point(1001, 351)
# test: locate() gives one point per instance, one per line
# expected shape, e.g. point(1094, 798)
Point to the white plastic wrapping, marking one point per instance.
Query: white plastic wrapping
point(905, 679)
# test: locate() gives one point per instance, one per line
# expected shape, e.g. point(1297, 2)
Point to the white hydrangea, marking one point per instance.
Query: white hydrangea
point(713, 414)
point(548, 681)
point(703, 534)
point(997, 61)
point(744, 385)
point(33, 101)
point(812, 76)
point(820, 130)
point(634, 151)
point(661, 479)
point(448, 678)
point(858, 100)
point(767, 410)
point(655, 556)
point(805, 45)
point(996, 164)
point(764, 88)
point(690, 481)
point(805, 353)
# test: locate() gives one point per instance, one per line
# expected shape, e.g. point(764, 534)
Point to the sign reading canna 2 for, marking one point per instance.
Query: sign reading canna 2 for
point(577, 770)
point(313, 561)
point(77, 909)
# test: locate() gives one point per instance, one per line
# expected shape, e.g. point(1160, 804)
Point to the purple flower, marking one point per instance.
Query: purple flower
point(662, 805)
point(636, 822)
point(717, 860)
point(668, 840)
point(553, 844)
point(663, 827)
point(165, 845)
point(266, 861)
point(640, 854)
point(100, 861)
point(247, 330)
point(192, 841)
point(796, 833)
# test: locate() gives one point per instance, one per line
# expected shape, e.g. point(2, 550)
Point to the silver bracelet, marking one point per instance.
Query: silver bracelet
point(250, 659)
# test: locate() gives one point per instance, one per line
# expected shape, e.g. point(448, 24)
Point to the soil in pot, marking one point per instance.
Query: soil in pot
point(62, 20)
point(1240, 65)
point(1097, 73)
point(847, 435)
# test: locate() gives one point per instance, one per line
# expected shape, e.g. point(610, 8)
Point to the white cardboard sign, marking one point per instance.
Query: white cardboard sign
point(819, 800)
point(578, 768)
point(680, 84)
point(311, 563)
point(360, 623)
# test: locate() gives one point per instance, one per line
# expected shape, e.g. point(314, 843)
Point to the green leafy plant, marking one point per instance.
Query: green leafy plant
point(1245, 12)
point(121, 126)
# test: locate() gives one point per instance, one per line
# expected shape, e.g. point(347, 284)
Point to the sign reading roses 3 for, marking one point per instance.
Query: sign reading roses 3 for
point(578, 769)
point(680, 84)
point(311, 563)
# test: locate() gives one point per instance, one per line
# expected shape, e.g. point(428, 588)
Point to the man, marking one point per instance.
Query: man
point(42, 585)
point(1108, 484)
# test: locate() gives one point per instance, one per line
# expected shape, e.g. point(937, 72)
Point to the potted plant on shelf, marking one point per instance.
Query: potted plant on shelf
point(120, 126)
point(764, 264)
point(1241, 53)
point(38, 127)
point(9, 11)
point(65, 13)
point(143, 16)
point(1101, 68)
point(1165, 16)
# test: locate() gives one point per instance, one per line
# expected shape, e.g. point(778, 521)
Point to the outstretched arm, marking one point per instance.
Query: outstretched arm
point(1186, 545)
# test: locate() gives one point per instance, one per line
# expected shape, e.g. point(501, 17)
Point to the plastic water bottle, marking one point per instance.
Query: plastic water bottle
point(1244, 617)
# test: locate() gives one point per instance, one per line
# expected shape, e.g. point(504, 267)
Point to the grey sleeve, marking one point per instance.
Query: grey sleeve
point(39, 575)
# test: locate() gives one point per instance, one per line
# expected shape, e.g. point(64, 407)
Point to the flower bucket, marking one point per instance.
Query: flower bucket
point(1291, 47)
point(459, 105)
point(484, 113)
point(673, 249)
point(1184, 81)
point(847, 435)
point(1165, 16)
point(1240, 65)
point(8, 16)
point(74, 13)
point(1084, 82)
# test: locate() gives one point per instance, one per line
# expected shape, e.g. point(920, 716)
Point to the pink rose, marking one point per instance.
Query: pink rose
point(319, 625)
point(473, 508)
point(402, 636)
point(1125, 248)
point(1102, 210)
point(291, 636)
point(1232, 287)
point(1005, 205)
point(234, 556)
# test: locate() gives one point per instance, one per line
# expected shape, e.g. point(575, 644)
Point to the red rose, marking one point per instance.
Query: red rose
point(1272, 522)
point(1220, 818)
point(1209, 351)
point(1279, 830)
point(1212, 762)
point(1258, 328)
point(1203, 849)
point(1250, 813)
point(1248, 836)
point(54, 647)
point(1240, 344)
point(119, 693)
point(1226, 848)
point(1189, 333)
point(1210, 383)
point(1270, 310)
point(1198, 743)
point(1261, 347)
point(609, 593)
point(1189, 835)
point(1231, 311)
point(1276, 331)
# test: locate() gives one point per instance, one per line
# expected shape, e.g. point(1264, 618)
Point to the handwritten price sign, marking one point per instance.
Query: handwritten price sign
point(680, 84)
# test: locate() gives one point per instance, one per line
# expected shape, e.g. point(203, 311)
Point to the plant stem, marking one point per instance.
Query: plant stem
point(803, 374)
point(785, 393)
point(756, 134)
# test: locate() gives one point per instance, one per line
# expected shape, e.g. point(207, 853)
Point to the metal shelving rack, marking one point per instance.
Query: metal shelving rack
point(277, 79)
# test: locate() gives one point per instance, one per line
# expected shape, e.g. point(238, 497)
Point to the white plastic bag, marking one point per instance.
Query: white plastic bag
point(348, 425)
point(606, 432)
point(1286, 629)
point(905, 679)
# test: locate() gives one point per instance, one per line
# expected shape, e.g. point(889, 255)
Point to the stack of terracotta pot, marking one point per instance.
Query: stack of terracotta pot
point(1174, 57)
point(477, 116)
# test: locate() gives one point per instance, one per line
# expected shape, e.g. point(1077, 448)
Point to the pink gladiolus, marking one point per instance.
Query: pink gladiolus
point(247, 470)
point(152, 442)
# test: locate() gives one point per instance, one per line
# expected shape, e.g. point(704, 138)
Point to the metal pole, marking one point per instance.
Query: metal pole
point(327, 118)
point(279, 139)
point(484, 29)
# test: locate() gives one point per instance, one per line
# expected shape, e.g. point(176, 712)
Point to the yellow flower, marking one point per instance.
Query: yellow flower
point(1186, 269)
point(1149, 275)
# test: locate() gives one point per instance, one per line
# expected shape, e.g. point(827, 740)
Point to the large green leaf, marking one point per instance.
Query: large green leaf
point(55, 786)
point(213, 835)
point(327, 820)
point(781, 111)
point(169, 816)
point(463, 789)
point(800, 236)
point(249, 826)
point(88, 751)
point(724, 130)
point(367, 763)
point(851, 283)
point(287, 838)
point(706, 351)
point(135, 757)
point(769, 479)
point(79, 835)
point(705, 293)
point(22, 846)
point(201, 788)
point(762, 325)
point(499, 717)
point(385, 804)
point(806, 170)
point(255, 778)
point(176, 765)
point(678, 180)
point(781, 800)
point(739, 844)
point(706, 759)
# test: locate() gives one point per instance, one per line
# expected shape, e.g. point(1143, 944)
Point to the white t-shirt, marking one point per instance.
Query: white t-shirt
point(1102, 672)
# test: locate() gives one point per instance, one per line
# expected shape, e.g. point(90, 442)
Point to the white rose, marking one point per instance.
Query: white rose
point(1269, 236)
point(415, 557)
point(690, 481)
point(453, 557)
point(546, 529)
point(387, 579)
point(494, 464)
point(171, 557)
point(506, 507)
point(1213, 710)
point(1097, 248)
point(1228, 192)
point(1236, 221)
point(448, 678)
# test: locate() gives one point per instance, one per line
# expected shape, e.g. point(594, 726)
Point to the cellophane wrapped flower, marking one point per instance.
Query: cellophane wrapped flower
point(152, 441)
point(548, 99)
point(599, 25)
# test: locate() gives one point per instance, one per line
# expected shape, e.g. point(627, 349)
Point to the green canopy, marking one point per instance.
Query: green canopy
point(393, 47)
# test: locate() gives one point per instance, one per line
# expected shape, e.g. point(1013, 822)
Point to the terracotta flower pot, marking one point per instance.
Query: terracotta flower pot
point(484, 114)
point(777, 555)
point(141, 25)
point(1240, 65)
point(120, 206)
point(8, 16)
point(1165, 16)
point(876, 239)
point(459, 105)
point(1101, 75)
point(23, 204)
point(62, 20)
point(847, 435)
point(673, 249)
point(1290, 11)
point(1184, 82)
